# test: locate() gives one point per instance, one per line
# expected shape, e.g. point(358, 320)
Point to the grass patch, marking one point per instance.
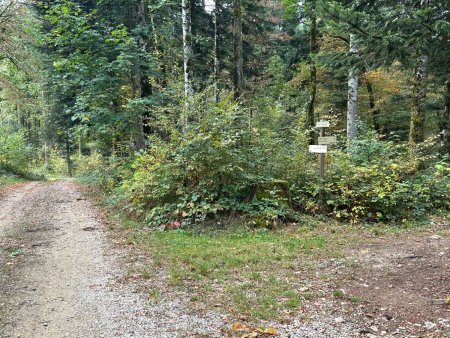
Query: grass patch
point(248, 271)
point(9, 179)
point(15, 252)
point(256, 274)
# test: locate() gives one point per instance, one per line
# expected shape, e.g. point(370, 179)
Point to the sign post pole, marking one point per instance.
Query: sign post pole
point(322, 157)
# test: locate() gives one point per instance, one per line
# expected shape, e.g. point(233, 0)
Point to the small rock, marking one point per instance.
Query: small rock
point(429, 325)
point(374, 328)
point(338, 320)
point(435, 237)
point(304, 289)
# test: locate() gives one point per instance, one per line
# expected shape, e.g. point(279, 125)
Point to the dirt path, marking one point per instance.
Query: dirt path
point(59, 278)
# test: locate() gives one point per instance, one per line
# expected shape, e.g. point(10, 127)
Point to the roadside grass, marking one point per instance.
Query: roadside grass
point(9, 179)
point(251, 274)
point(247, 272)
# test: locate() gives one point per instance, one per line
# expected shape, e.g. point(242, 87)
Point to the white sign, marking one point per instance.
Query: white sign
point(323, 124)
point(318, 149)
point(328, 140)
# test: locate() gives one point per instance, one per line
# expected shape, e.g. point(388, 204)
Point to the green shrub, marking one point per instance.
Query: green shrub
point(213, 168)
point(376, 181)
point(15, 154)
point(96, 170)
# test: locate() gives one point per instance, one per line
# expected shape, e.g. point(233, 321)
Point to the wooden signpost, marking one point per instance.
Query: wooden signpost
point(322, 147)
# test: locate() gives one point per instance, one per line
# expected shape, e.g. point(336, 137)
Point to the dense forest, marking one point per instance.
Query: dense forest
point(192, 110)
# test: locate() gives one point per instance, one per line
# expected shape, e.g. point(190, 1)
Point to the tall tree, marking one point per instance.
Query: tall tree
point(216, 52)
point(313, 49)
point(186, 14)
point(238, 70)
point(417, 127)
point(353, 79)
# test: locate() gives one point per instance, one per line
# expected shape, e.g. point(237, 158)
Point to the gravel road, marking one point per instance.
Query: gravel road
point(59, 276)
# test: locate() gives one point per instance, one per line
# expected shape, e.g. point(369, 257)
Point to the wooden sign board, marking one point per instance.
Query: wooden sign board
point(323, 124)
point(318, 149)
point(325, 140)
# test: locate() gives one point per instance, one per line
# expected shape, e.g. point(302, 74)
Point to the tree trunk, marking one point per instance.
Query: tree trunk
point(187, 47)
point(314, 48)
point(80, 146)
point(238, 73)
point(46, 154)
point(373, 109)
point(186, 15)
point(139, 82)
point(352, 102)
point(216, 54)
point(68, 159)
point(417, 126)
point(445, 123)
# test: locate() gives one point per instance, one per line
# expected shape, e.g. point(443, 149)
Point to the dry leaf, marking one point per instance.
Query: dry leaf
point(271, 331)
point(239, 327)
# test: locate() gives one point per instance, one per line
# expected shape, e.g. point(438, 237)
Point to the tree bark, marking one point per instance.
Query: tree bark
point(68, 159)
point(417, 124)
point(352, 101)
point(187, 47)
point(216, 53)
point(140, 86)
point(314, 48)
point(238, 73)
point(445, 123)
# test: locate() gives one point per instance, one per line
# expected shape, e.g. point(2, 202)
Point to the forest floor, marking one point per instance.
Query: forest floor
point(66, 270)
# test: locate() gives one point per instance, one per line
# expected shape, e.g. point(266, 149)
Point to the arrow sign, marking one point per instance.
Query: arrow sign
point(327, 140)
point(318, 149)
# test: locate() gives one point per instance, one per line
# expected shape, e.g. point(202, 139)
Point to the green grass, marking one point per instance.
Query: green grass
point(250, 272)
point(9, 179)
point(256, 274)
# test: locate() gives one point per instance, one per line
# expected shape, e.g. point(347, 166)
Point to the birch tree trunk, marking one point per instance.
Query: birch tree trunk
point(186, 16)
point(417, 125)
point(238, 73)
point(216, 53)
point(187, 47)
point(352, 101)
point(314, 48)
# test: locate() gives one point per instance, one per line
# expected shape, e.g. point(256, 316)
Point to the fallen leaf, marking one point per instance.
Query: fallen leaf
point(271, 331)
point(239, 327)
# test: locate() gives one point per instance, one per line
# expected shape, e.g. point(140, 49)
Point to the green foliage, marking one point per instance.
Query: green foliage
point(378, 181)
point(14, 151)
point(96, 170)
point(212, 169)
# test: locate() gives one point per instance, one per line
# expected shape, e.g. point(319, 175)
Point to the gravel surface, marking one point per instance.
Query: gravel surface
point(64, 280)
